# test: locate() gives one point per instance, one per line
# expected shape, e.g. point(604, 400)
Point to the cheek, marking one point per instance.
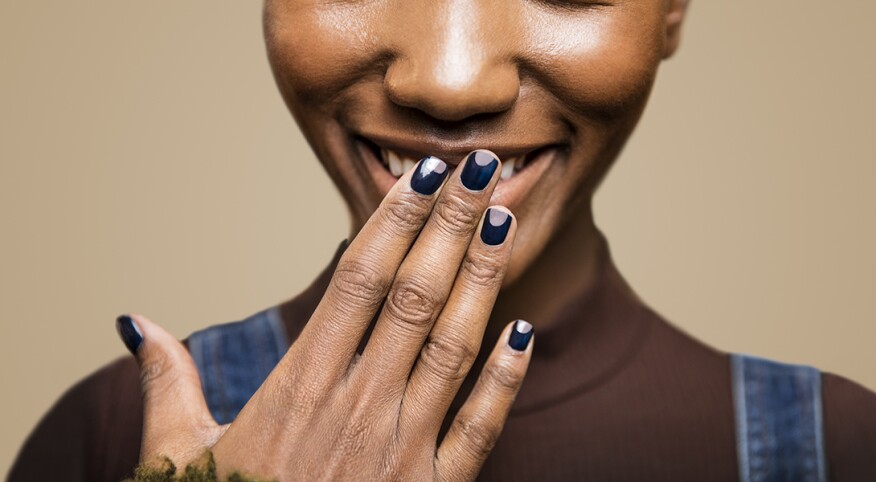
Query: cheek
point(315, 49)
point(601, 63)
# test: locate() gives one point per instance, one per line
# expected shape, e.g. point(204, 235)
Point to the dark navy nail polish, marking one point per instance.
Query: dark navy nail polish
point(429, 175)
point(129, 332)
point(478, 170)
point(520, 335)
point(496, 226)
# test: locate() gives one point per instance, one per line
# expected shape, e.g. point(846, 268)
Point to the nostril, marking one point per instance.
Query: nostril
point(452, 96)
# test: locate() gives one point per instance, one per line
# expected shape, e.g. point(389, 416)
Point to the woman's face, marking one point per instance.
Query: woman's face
point(553, 87)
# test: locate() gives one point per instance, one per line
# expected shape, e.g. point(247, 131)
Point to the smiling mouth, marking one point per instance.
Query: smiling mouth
point(396, 161)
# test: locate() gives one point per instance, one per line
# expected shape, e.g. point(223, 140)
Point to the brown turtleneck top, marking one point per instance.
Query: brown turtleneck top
point(613, 393)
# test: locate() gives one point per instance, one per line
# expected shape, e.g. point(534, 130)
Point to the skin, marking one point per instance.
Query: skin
point(328, 413)
point(563, 82)
point(444, 78)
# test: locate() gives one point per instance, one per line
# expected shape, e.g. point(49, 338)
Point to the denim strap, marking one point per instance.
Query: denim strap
point(778, 421)
point(235, 358)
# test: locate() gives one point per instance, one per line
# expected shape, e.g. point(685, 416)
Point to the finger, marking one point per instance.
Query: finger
point(176, 420)
point(455, 340)
point(426, 276)
point(365, 272)
point(479, 422)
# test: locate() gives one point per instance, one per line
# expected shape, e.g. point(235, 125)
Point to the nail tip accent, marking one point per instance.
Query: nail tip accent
point(521, 335)
point(496, 225)
point(429, 175)
point(478, 170)
point(129, 332)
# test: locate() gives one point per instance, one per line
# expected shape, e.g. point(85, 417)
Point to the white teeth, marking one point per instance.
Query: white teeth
point(394, 162)
point(398, 164)
point(509, 167)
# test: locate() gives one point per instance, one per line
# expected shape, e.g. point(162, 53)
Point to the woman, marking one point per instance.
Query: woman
point(546, 94)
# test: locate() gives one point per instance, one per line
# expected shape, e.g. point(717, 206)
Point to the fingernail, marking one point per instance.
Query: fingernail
point(428, 175)
point(478, 170)
point(129, 332)
point(496, 226)
point(520, 335)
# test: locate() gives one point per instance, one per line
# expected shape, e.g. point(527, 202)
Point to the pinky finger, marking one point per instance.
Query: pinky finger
point(479, 422)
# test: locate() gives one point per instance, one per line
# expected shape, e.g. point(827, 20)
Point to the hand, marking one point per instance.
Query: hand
point(326, 412)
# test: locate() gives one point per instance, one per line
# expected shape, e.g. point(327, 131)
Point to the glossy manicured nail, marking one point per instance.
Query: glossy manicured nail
point(496, 226)
point(520, 335)
point(129, 332)
point(428, 175)
point(478, 170)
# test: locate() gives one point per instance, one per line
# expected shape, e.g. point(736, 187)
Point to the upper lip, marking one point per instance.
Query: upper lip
point(450, 152)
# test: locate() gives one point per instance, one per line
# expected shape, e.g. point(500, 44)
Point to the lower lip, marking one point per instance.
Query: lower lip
point(509, 193)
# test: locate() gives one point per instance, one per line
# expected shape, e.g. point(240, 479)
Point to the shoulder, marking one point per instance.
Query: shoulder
point(91, 433)
point(849, 429)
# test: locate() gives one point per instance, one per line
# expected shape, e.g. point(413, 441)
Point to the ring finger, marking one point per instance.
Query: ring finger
point(456, 338)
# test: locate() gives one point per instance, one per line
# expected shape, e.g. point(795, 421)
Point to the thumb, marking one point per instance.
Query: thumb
point(176, 421)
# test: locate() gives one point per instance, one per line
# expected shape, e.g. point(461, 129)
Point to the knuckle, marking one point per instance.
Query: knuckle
point(412, 303)
point(455, 216)
point(503, 377)
point(480, 437)
point(156, 374)
point(448, 358)
point(404, 214)
point(354, 436)
point(359, 283)
point(483, 270)
point(362, 418)
point(394, 464)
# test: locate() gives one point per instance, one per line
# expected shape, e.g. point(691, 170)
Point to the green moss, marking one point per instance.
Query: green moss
point(167, 472)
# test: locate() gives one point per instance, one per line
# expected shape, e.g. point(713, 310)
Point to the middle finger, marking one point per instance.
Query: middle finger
point(425, 278)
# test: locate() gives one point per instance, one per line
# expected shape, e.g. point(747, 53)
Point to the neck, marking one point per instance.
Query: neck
point(567, 266)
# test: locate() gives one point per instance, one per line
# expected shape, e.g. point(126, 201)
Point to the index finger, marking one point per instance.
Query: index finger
point(367, 268)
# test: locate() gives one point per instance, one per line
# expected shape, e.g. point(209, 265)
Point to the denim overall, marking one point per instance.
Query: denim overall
point(778, 407)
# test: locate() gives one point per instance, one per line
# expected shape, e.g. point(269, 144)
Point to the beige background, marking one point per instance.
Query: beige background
point(147, 164)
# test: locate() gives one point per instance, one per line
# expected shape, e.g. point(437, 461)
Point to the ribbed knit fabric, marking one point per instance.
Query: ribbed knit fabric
point(613, 393)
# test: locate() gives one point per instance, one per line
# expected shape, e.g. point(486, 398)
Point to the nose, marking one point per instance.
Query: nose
point(453, 60)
